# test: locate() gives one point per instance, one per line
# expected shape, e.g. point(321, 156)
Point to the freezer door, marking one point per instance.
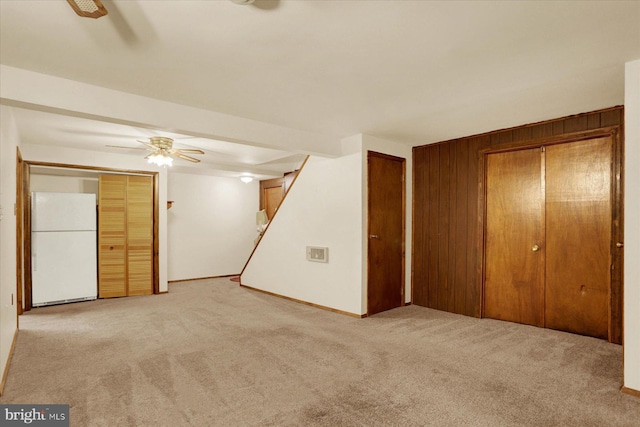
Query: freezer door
point(63, 267)
point(63, 211)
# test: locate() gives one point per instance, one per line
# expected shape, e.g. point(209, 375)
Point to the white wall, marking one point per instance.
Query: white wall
point(632, 227)
point(9, 140)
point(211, 226)
point(44, 153)
point(323, 208)
point(63, 184)
point(327, 207)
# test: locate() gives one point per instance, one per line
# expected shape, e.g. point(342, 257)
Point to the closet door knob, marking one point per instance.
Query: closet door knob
point(535, 248)
point(619, 245)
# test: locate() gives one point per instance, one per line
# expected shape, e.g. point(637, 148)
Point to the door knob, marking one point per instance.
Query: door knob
point(374, 236)
point(535, 248)
point(619, 245)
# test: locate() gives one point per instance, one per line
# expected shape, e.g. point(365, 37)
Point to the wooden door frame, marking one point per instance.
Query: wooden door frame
point(19, 230)
point(26, 236)
point(617, 211)
point(404, 225)
point(27, 219)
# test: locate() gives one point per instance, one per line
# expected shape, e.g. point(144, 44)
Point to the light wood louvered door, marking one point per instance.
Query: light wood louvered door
point(112, 236)
point(139, 235)
point(125, 230)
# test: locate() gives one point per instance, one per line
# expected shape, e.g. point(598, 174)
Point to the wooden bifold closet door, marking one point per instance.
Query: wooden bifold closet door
point(578, 220)
point(139, 235)
point(125, 235)
point(548, 236)
point(514, 272)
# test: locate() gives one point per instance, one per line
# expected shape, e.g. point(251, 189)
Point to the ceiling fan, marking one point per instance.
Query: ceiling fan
point(95, 8)
point(162, 151)
point(88, 8)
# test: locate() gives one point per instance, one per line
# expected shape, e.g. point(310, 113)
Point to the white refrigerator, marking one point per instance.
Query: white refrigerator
point(64, 265)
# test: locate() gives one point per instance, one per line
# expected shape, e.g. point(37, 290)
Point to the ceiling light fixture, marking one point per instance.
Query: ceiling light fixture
point(243, 2)
point(88, 8)
point(160, 158)
point(246, 179)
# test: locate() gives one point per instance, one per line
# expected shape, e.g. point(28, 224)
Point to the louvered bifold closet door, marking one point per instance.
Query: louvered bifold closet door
point(140, 235)
point(112, 266)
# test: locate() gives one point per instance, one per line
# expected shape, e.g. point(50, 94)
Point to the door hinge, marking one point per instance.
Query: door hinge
point(543, 149)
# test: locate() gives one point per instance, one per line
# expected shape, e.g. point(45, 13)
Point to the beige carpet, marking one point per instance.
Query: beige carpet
point(210, 353)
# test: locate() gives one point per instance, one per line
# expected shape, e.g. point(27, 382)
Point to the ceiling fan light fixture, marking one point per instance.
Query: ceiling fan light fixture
point(161, 159)
point(162, 152)
point(88, 8)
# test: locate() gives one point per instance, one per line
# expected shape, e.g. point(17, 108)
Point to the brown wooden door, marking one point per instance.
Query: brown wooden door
point(548, 236)
point(272, 198)
point(514, 272)
point(271, 194)
point(139, 235)
point(578, 223)
point(385, 276)
point(112, 259)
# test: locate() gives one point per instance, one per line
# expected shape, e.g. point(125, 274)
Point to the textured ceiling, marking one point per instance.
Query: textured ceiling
point(411, 71)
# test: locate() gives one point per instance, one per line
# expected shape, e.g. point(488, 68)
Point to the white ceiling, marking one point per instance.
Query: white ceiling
point(229, 159)
point(410, 71)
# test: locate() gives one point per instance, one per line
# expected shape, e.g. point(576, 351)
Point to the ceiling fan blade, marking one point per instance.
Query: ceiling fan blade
point(88, 8)
point(88, 133)
point(128, 148)
point(189, 158)
point(188, 150)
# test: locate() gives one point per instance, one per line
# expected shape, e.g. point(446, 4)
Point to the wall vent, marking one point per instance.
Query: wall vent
point(317, 254)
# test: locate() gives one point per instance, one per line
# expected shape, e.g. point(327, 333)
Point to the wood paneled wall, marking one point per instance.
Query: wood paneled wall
point(448, 193)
